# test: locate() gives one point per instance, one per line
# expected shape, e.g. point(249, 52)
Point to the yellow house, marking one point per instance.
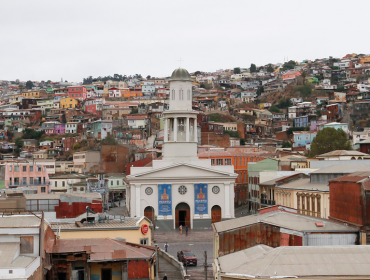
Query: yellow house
point(310, 199)
point(32, 93)
point(365, 59)
point(68, 102)
point(130, 229)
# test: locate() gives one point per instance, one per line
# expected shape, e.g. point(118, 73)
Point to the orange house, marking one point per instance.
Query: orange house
point(291, 75)
point(131, 93)
point(240, 162)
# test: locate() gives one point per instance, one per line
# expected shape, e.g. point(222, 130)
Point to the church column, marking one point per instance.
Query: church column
point(165, 130)
point(175, 129)
point(138, 200)
point(195, 130)
point(187, 127)
point(227, 200)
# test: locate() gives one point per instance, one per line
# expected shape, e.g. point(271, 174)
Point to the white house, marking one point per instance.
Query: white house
point(114, 92)
point(180, 188)
point(20, 242)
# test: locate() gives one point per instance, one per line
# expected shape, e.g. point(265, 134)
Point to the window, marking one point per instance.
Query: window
point(16, 181)
point(16, 168)
point(24, 168)
point(81, 189)
point(38, 168)
point(10, 181)
point(55, 183)
point(26, 244)
point(111, 183)
point(213, 161)
point(219, 161)
point(173, 94)
point(43, 189)
point(188, 94)
point(63, 183)
point(144, 241)
point(10, 168)
point(228, 161)
point(24, 181)
point(31, 180)
point(117, 182)
point(74, 189)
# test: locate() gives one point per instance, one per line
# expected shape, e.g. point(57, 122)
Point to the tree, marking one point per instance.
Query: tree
point(236, 70)
point(289, 65)
point(304, 75)
point(64, 120)
point(303, 91)
point(285, 103)
point(197, 73)
point(148, 77)
point(274, 109)
point(76, 146)
point(253, 68)
point(109, 140)
point(329, 139)
point(205, 86)
point(270, 69)
point(29, 85)
point(260, 90)
point(286, 144)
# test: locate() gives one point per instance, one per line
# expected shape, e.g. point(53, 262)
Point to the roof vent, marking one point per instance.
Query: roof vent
point(319, 224)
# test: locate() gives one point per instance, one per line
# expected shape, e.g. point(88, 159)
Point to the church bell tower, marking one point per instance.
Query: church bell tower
point(180, 121)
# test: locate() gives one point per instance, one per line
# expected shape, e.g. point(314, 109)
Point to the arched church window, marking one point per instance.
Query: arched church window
point(173, 94)
point(188, 94)
point(181, 94)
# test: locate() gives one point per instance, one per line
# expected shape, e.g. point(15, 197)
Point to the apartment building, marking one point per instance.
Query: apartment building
point(83, 161)
point(19, 174)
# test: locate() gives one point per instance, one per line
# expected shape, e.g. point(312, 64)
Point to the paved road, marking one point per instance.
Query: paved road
point(197, 248)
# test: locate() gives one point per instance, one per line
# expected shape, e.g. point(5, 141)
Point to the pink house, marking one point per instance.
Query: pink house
point(291, 75)
point(60, 128)
point(24, 175)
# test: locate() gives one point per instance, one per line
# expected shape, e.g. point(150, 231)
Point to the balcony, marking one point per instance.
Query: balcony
point(35, 184)
point(267, 202)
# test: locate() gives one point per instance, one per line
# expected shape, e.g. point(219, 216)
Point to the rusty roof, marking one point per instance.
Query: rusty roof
point(355, 177)
point(103, 249)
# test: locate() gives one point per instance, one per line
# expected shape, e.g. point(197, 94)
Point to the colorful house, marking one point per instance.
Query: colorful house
point(68, 103)
point(60, 128)
point(302, 138)
point(79, 93)
point(291, 75)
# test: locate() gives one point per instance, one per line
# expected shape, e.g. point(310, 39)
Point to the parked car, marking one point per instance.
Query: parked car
point(187, 257)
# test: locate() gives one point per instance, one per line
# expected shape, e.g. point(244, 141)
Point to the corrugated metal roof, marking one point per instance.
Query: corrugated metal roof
point(344, 169)
point(103, 249)
point(111, 224)
point(57, 196)
point(353, 177)
point(304, 184)
point(343, 153)
point(299, 261)
point(284, 220)
point(20, 221)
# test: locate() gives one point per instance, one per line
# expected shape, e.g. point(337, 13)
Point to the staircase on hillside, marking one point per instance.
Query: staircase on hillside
point(173, 273)
point(199, 274)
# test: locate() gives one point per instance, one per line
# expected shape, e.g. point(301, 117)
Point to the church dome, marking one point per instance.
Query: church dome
point(180, 74)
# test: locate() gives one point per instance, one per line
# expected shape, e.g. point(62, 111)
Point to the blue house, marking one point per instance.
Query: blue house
point(302, 138)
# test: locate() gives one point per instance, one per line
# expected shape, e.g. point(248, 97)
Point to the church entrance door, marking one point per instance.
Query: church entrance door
point(216, 214)
point(149, 213)
point(182, 215)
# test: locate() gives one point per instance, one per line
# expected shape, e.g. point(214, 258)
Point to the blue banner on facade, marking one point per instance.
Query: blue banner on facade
point(164, 199)
point(201, 199)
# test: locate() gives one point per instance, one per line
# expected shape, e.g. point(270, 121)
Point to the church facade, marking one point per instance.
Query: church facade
point(181, 189)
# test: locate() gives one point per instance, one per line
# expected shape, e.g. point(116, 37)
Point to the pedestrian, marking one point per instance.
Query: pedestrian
point(119, 203)
point(180, 228)
point(165, 247)
point(165, 277)
point(186, 230)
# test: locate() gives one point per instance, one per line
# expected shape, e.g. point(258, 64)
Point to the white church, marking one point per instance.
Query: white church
point(180, 188)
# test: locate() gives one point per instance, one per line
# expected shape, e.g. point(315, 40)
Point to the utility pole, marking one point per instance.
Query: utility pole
point(156, 260)
point(205, 265)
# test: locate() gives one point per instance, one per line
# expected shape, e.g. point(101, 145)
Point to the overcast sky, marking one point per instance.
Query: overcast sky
point(72, 39)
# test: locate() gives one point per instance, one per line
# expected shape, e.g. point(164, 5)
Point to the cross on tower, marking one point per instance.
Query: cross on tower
point(180, 61)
